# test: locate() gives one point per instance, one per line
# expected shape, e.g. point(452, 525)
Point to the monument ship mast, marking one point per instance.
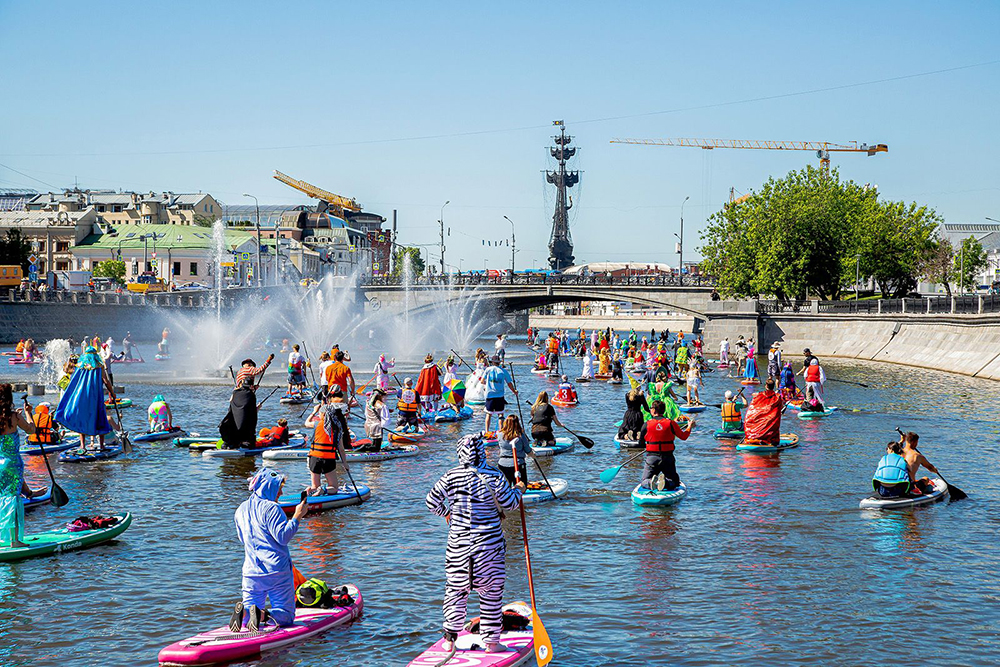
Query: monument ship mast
point(561, 242)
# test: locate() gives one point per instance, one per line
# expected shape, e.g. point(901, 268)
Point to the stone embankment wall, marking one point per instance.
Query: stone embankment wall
point(965, 344)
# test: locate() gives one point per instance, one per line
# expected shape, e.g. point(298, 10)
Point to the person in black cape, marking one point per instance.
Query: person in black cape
point(239, 427)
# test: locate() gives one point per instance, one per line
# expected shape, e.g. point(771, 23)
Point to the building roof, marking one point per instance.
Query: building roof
point(45, 218)
point(167, 236)
point(990, 242)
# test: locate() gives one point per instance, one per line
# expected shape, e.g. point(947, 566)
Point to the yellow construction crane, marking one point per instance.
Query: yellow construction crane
point(822, 148)
point(339, 204)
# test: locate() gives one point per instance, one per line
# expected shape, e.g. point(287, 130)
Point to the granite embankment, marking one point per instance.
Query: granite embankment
point(968, 344)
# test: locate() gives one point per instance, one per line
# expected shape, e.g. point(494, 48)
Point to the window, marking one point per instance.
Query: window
point(177, 269)
point(194, 268)
point(62, 265)
point(62, 246)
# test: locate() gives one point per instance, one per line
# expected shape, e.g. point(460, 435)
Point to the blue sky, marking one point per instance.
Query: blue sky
point(214, 96)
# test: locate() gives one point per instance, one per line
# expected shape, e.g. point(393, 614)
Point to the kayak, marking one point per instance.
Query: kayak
point(877, 502)
point(692, 408)
point(56, 541)
point(626, 444)
point(563, 404)
point(540, 492)
point(344, 497)
point(788, 440)
point(469, 649)
point(121, 403)
point(562, 445)
point(641, 496)
point(221, 453)
point(156, 436)
point(78, 456)
point(722, 434)
point(384, 454)
point(43, 499)
point(222, 645)
point(808, 414)
point(32, 449)
point(409, 438)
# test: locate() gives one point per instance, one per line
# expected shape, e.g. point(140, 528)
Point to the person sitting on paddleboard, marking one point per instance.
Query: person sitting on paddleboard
point(914, 459)
point(542, 417)
point(732, 411)
point(567, 392)
point(159, 414)
point(274, 436)
point(892, 478)
point(632, 421)
point(409, 408)
point(513, 442)
point(375, 414)
point(265, 532)
point(330, 438)
point(657, 437)
point(471, 499)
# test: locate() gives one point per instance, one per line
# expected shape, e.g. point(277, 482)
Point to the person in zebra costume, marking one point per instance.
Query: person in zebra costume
point(471, 498)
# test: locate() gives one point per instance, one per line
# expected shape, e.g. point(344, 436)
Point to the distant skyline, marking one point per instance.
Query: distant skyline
point(406, 106)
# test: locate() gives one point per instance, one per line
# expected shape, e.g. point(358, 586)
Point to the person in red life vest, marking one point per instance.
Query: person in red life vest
point(409, 408)
point(429, 384)
point(567, 392)
point(763, 421)
point(657, 436)
point(815, 377)
point(330, 437)
point(274, 436)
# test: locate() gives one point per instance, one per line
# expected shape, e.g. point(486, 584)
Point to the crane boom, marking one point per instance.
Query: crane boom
point(318, 193)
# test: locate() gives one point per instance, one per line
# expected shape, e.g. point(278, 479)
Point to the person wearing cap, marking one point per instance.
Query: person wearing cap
point(807, 361)
point(732, 412)
point(409, 408)
point(160, 417)
point(774, 361)
point(495, 377)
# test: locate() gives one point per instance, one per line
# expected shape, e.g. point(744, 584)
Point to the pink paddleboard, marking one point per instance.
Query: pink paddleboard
point(520, 643)
point(223, 645)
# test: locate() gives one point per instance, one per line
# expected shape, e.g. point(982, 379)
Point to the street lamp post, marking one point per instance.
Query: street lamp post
point(857, 276)
point(257, 207)
point(680, 246)
point(512, 246)
point(441, 222)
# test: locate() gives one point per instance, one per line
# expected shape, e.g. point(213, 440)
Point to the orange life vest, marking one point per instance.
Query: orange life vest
point(43, 427)
point(553, 346)
point(322, 446)
point(730, 413)
point(408, 401)
point(659, 435)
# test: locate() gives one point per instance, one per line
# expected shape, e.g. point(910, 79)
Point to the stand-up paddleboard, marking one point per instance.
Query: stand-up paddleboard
point(18, 361)
point(625, 443)
point(450, 414)
point(344, 497)
point(222, 453)
point(121, 403)
point(581, 379)
point(57, 541)
point(85, 455)
point(469, 650)
point(407, 438)
point(384, 454)
point(877, 502)
point(222, 645)
point(187, 441)
point(540, 492)
point(723, 434)
point(750, 382)
point(540, 371)
point(641, 496)
point(295, 399)
point(156, 436)
point(558, 402)
point(32, 449)
point(37, 500)
point(692, 408)
point(788, 440)
point(808, 414)
point(614, 381)
point(127, 361)
point(561, 446)
point(162, 357)
point(721, 365)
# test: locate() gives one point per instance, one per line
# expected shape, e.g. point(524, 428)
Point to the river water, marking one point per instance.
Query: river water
point(767, 561)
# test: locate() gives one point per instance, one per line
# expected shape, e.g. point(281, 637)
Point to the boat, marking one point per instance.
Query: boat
point(877, 502)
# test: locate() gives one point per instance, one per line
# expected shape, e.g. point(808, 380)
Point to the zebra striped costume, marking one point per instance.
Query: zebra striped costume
point(474, 560)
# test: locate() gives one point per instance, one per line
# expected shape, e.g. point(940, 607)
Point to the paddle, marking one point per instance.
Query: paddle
point(520, 414)
point(953, 491)
point(544, 478)
point(543, 646)
point(268, 396)
point(232, 373)
point(351, 477)
point(462, 360)
point(122, 434)
point(611, 473)
point(860, 384)
point(312, 372)
point(584, 440)
point(59, 497)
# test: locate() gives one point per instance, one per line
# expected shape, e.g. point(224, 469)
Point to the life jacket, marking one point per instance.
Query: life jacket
point(553, 346)
point(891, 470)
point(812, 374)
point(280, 433)
point(43, 427)
point(731, 413)
point(408, 401)
point(323, 446)
point(566, 393)
point(659, 435)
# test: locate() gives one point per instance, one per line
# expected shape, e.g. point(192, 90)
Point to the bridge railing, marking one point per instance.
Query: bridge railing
point(968, 304)
point(476, 279)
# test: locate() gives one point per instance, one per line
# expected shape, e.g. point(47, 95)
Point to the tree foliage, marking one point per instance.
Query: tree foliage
point(110, 268)
point(810, 234)
point(398, 261)
point(15, 250)
point(969, 261)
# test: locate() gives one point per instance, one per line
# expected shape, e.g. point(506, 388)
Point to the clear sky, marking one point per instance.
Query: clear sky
point(406, 105)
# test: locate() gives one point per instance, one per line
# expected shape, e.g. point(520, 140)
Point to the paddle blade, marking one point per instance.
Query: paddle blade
point(59, 497)
point(610, 474)
point(585, 441)
point(543, 647)
point(953, 491)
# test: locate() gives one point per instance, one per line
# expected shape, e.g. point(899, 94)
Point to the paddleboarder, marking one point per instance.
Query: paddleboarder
point(376, 416)
point(657, 437)
point(495, 377)
point(265, 532)
point(914, 460)
point(12, 484)
point(239, 427)
point(542, 417)
point(632, 420)
point(159, 414)
point(330, 438)
point(513, 442)
point(471, 498)
point(249, 369)
point(732, 412)
point(81, 407)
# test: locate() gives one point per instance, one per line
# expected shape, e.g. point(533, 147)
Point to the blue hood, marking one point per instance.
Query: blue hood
point(267, 484)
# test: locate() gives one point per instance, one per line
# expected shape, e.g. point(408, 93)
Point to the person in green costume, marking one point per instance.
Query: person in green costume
point(662, 389)
point(12, 484)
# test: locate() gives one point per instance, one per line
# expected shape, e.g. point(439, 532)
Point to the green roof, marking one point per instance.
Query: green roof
point(167, 236)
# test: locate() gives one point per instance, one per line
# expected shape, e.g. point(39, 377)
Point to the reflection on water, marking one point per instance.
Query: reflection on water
point(768, 561)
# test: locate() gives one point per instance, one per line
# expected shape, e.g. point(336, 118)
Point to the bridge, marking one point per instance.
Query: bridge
point(507, 297)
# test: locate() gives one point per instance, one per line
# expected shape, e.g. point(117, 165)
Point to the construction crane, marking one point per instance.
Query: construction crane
point(338, 203)
point(822, 148)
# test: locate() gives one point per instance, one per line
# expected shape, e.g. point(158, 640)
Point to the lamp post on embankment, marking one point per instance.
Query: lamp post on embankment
point(680, 247)
point(511, 248)
point(257, 224)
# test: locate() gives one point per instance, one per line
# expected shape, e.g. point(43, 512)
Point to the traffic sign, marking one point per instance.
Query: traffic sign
point(32, 258)
point(32, 268)
point(245, 257)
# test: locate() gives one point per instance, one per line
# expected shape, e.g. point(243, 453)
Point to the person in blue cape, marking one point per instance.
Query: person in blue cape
point(265, 533)
point(81, 407)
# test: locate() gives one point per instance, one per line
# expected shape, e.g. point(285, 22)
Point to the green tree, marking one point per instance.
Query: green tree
point(110, 268)
point(969, 262)
point(398, 259)
point(15, 250)
point(892, 243)
point(939, 266)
